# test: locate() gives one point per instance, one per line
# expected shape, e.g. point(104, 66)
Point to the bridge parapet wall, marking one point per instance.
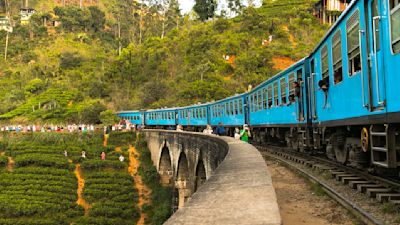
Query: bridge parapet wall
point(217, 180)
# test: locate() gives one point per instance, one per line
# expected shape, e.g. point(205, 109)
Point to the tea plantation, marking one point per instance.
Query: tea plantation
point(44, 180)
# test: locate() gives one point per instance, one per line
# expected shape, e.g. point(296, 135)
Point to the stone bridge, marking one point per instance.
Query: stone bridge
point(217, 180)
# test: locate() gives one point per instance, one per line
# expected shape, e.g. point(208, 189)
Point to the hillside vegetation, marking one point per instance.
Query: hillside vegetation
point(41, 185)
point(73, 72)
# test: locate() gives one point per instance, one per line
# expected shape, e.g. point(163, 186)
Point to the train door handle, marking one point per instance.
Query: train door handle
point(360, 34)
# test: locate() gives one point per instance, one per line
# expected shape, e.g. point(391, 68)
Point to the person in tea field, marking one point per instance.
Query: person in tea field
point(83, 155)
point(65, 153)
point(103, 156)
point(121, 158)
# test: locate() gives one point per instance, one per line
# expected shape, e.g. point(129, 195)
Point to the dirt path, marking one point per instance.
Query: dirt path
point(10, 164)
point(81, 185)
point(299, 204)
point(144, 192)
point(105, 141)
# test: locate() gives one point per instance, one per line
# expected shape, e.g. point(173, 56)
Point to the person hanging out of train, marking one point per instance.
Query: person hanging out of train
point(291, 100)
point(299, 95)
point(324, 86)
point(245, 133)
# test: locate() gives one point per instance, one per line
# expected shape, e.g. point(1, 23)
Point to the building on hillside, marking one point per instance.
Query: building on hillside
point(328, 11)
point(26, 14)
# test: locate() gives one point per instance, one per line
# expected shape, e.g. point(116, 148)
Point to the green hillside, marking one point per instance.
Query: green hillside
point(73, 72)
point(41, 185)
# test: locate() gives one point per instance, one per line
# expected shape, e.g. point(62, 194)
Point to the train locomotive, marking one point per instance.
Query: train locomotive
point(342, 100)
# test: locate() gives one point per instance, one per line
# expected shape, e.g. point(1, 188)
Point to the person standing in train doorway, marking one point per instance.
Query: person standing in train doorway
point(245, 133)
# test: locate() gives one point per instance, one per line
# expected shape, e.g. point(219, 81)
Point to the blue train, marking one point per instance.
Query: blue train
point(343, 99)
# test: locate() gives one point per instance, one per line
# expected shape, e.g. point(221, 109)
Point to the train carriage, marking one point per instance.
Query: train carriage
point(134, 117)
point(161, 118)
point(278, 107)
point(195, 116)
point(231, 112)
point(354, 96)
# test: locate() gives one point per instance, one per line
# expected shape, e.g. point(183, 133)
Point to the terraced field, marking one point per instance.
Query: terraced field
point(39, 184)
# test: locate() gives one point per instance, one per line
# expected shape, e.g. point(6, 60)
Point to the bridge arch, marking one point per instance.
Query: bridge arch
point(165, 168)
point(182, 179)
point(200, 174)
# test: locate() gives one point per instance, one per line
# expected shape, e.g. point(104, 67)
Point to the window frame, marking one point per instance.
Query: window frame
point(265, 101)
point(291, 83)
point(283, 90)
point(340, 44)
point(357, 11)
point(391, 12)
point(325, 46)
point(270, 96)
point(276, 94)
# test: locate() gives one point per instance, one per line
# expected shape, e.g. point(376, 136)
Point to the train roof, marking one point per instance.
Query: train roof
point(130, 111)
point(164, 109)
point(230, 97)
point(280, 74)
point(334, 26)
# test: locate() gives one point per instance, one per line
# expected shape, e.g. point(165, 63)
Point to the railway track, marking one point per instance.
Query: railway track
point(381, 189)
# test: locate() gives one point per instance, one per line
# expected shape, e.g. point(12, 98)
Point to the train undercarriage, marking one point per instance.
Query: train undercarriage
point(375, 148)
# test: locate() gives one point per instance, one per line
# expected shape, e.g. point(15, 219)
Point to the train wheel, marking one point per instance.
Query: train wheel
point(338, 144)
point(364, 139)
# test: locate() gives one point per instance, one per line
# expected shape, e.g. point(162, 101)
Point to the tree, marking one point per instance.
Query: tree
point(108, 117)
point(205, 9)
point(235, 6)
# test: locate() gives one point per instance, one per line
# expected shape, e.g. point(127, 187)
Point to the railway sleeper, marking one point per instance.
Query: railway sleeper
point(339, 177)
point(346, 180)
point(363, 187)
point(354, 183)
point(321, 167)
point(396, 202)
point(385, 197)
point(372, 192)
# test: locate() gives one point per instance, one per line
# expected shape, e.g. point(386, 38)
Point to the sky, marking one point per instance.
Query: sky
point(187, 5)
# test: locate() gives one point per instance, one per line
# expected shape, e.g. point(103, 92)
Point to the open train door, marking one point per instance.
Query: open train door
point(376, 45)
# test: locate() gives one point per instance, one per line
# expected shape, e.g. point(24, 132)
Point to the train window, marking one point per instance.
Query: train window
point(324, 64)
point(291, 84)
point(269, 90)
point(264, 93)
point(231, 107)
point(236, 107)
point(219, 110)
point(240, 106)
point(226, 108)
point(276, 100)
point(353, 45)
point(255, 103)
point(260, 100)
point(395, 24)
point(251, 100)
point(283, 91)
point(337, 57)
